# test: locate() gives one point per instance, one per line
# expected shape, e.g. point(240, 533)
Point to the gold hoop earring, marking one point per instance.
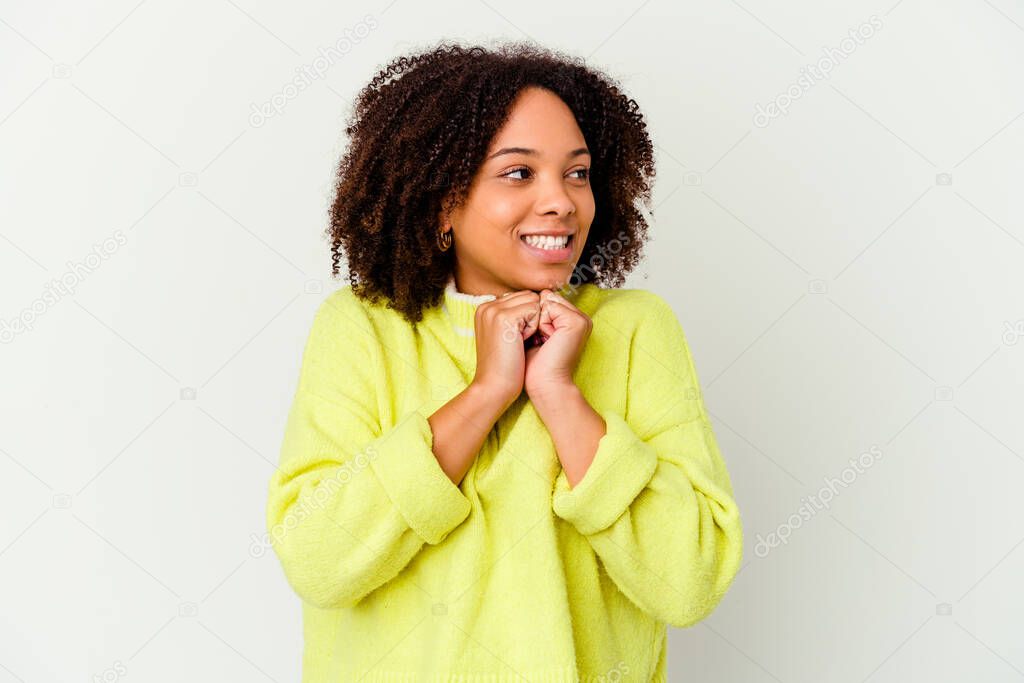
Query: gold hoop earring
point(444, 239)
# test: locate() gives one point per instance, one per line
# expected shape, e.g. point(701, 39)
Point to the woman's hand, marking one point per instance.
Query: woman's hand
point(562, 332)
point(502, 328)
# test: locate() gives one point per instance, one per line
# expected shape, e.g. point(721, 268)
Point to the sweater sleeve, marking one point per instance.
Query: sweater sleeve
point(656, 503)
point(352, 503)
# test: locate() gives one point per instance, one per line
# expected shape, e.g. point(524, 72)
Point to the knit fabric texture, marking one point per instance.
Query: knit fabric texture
point(511, 575)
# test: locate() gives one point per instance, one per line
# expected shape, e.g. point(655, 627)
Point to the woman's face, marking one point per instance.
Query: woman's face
point(534, 181)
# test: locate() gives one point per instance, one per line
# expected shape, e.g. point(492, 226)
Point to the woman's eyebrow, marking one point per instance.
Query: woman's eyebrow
point(526, 150)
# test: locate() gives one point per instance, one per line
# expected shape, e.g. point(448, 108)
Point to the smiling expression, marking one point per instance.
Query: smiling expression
point(530, 195)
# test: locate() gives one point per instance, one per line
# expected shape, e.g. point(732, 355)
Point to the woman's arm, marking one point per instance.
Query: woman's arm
point(575, 428)
point(351, 504)
point(655, 500)
point(461, 425)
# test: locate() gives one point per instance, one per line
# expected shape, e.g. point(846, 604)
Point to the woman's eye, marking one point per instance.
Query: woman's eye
point(584, 171)
point(516, 170)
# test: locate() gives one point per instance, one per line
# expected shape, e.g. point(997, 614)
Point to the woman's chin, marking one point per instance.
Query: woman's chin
point(547, 280)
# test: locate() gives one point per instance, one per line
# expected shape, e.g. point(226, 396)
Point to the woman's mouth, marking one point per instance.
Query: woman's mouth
point(548, 248)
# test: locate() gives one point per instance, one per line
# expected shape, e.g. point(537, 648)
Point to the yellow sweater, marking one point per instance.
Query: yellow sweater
point(511, 575)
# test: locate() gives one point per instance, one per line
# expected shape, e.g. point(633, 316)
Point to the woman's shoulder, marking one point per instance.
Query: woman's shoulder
point(346, 304)
point(623, 304)
point(344, 318)
point(340, 305)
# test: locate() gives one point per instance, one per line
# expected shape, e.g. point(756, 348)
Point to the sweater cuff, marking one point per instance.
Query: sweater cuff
point(622, 466)
point(405, 464)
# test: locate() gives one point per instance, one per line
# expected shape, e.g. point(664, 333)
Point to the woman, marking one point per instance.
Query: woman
point(495, 469)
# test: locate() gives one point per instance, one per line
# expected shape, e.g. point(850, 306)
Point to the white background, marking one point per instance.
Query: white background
point(840, 293)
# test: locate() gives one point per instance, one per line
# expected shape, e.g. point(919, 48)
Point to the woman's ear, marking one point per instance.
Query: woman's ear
point(452, 217)
point(444, 218)
point(449, 215)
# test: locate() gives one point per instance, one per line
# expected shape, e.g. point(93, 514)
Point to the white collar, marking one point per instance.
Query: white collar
point(450, 290)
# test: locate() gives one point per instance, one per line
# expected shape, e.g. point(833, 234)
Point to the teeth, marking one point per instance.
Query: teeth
point(547, 241)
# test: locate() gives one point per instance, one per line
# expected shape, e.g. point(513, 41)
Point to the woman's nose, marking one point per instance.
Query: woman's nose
point(554, 198)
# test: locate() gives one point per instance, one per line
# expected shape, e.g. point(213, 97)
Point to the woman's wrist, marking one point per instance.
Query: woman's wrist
point(553, 392)
point(497, 397)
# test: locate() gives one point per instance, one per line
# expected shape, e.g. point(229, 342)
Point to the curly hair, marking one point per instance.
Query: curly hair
point(418, 133)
